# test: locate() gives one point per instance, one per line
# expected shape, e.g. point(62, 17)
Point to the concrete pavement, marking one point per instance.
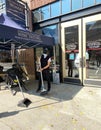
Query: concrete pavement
point(66, 107)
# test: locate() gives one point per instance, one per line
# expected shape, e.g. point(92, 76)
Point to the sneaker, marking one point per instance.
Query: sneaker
point(14, 92)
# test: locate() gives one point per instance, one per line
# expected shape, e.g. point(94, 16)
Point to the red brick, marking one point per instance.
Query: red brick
point(33, 4)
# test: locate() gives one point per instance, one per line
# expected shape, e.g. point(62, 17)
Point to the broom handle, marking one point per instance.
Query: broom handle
point(42, 79)
point(41, 75)
point(20, 87)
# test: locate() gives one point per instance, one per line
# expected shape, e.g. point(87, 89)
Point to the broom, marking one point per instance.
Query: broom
point(43, 90)
point(25, 102)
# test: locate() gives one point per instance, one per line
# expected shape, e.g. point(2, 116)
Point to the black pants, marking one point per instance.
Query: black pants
point(46, 77)
point(70, 71)
point(98, 63)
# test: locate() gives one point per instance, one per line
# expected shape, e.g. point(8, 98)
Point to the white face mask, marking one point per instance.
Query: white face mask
point(45, 55)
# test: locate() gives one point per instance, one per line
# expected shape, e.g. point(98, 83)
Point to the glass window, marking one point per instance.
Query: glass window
point(2, 6)
point(45, 13)
point(76, 4)
point(2, 1)
point(55, 9)
point(36, 15)
point(93, 47)
point(87, 3)
point(72, 51)
point(98, 1)
point(51, 31)
point(71, 38)
point(66, 6)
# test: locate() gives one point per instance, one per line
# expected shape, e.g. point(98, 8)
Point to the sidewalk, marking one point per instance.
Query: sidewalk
point(66, 107)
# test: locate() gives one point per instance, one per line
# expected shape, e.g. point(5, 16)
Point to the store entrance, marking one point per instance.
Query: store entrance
point(81, 51)
point(71, 52)
point(92, 45)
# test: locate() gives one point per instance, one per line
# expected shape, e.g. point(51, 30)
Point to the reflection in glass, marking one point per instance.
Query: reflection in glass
point(51, 31)
point(45, 14)
point(2, 6)
point(76, 5)
point(66, 6)
point(37, 15)
point(2, 1)
point(87, 3)
point(71, 38)
point(72, 51)
point(55, 9)
point(98, 1)
point(93, 47)
point(61, 7)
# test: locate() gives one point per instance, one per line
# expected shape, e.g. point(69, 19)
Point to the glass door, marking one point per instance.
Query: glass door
point(71, 51)
point(92, 50)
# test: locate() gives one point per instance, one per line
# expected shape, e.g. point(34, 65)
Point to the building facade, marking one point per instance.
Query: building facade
point(76, 28)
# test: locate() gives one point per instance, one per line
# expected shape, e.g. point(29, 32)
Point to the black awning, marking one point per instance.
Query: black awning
point(23, 38)
point(11, 32)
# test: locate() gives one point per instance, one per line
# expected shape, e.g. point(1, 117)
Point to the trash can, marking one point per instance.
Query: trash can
point(56, 78)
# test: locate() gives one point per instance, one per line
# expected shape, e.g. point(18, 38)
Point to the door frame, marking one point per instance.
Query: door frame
point(63, 26)
point(90, 82)
point(82, 50)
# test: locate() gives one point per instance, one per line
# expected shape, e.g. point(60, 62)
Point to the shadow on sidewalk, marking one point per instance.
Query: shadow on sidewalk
point(7, 114)
point(12, 113)
point(58, 92)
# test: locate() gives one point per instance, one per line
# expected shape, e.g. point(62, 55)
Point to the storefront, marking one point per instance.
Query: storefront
point(77, 33)
point(81, 50)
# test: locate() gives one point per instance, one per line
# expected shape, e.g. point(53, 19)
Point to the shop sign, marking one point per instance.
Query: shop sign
point(16, 11)
point(94, 44)
point(72, 46)
point(28, 36)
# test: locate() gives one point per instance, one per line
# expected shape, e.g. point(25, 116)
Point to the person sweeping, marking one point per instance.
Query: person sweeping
point(45, 62)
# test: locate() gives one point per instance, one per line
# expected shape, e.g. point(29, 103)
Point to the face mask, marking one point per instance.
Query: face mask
point(45, 55)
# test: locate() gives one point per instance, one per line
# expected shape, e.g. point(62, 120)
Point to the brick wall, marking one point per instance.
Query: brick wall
point(33, 4)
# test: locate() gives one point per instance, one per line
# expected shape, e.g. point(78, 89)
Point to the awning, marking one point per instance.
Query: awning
point(22, 38)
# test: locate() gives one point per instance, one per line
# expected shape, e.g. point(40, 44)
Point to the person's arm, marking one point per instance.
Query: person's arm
point(48, 64)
